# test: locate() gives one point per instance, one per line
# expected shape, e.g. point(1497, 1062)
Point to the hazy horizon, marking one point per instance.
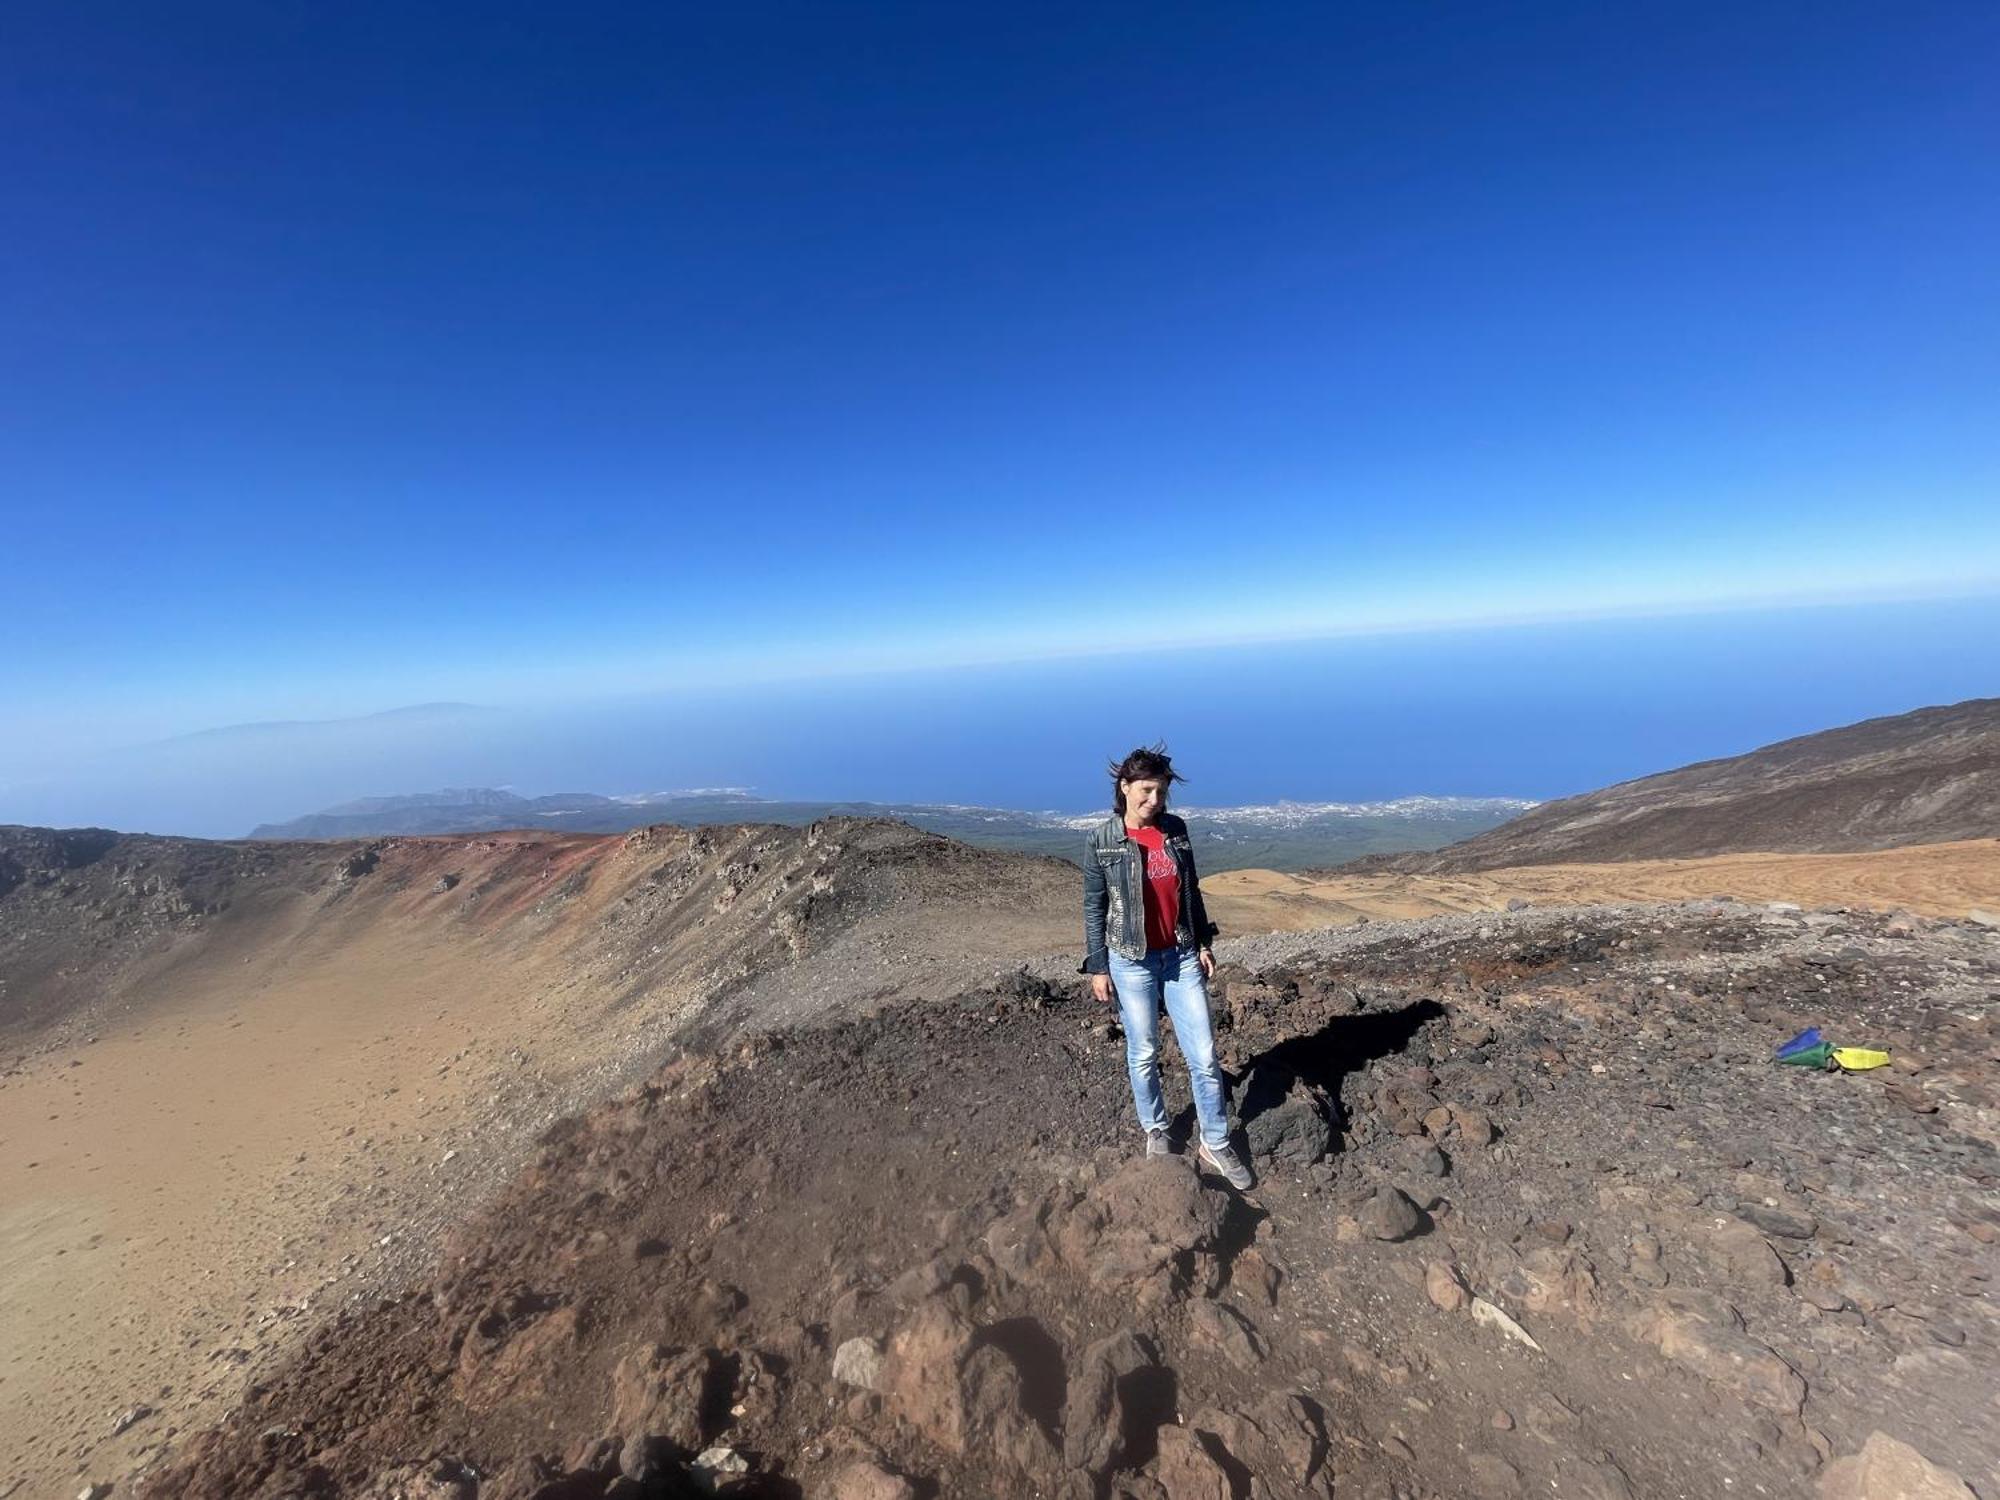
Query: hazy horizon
point(1533, 712)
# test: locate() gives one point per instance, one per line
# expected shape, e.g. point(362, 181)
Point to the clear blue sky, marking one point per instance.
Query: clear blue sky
point(358, 355)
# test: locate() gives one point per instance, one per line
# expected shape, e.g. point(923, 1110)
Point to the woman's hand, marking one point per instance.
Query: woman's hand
point(1100, 986)
point(1207, 958)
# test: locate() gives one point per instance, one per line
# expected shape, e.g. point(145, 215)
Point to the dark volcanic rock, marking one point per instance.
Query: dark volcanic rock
point(1285, 1119)
point(1390, 1215)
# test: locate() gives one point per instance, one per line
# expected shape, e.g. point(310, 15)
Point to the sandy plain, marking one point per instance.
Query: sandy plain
point(1933, 880)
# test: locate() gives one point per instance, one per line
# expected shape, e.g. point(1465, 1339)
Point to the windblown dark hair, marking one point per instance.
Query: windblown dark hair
point(1147, 763)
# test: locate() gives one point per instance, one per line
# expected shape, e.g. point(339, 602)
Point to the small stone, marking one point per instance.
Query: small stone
point(1475, 1126)
point(1502, 1420)
point(858, 1362)
point(1258, 1275)
point(641, 1459)
point(1390, 1215)
point(721, 1462)
point(1485, 1312)
point(863, 1480)
point(1553, 1419)
point(1493, 1478)
point(130, 1417)
point(1445, 1287)
point(1745, 1254)
point(1911, 1095)
point(1777, 1221)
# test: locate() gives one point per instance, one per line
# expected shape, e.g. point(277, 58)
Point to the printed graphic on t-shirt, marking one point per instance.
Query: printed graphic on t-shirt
point(1163, 887)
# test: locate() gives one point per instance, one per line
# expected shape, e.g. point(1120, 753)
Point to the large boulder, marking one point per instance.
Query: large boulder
point(1186, 1471)
point(1279, 1439)
point(1108, 1398)
point(1285, 1118)
point(961, 1392)
point(679, 1395)
point(1152, 1229)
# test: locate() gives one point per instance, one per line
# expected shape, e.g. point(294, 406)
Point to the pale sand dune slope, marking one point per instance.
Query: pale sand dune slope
point(1941, 880)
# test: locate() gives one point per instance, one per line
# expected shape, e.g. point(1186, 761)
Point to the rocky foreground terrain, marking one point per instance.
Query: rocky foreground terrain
point(1537, 1215)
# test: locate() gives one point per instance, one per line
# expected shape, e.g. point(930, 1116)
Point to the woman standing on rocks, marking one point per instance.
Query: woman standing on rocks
point(1146, 936)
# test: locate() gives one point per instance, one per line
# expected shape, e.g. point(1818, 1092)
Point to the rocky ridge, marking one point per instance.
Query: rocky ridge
point(89, 916)
point(1930, 776)
point(1535, 1207)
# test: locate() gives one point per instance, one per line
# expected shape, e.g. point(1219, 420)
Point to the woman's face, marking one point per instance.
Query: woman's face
point(1144, 800)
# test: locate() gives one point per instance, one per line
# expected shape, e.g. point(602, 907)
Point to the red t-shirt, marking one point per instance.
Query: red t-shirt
point(1163, 888)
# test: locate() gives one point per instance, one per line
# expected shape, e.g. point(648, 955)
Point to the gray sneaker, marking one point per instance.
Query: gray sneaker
point(1225, 1160)
point(1156, 1143)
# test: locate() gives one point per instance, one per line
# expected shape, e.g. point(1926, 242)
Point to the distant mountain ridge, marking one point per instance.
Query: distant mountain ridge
point(1281, 836)
point(1926, 777)
point(410, 713)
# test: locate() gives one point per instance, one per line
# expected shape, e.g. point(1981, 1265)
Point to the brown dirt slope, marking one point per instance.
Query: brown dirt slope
point(240, 1082)
point(1570, 1217)
point(1934, 880)
point(1929, 776)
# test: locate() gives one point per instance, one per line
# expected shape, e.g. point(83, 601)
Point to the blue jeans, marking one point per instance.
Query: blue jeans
point(1174, 973)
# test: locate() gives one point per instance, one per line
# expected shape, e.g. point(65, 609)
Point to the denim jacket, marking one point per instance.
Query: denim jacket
point(1114, 895)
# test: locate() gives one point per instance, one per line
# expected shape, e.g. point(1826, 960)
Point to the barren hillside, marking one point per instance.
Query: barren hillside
point(243, 1080)
point(770, 1161)
point(1536, 1207)
point(1926, 777)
